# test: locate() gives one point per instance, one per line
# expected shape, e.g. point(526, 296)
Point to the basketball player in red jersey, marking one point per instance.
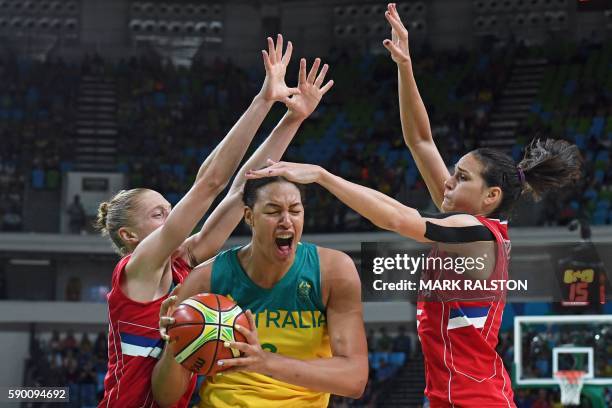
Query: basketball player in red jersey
point(458, 334)
point(152, 237)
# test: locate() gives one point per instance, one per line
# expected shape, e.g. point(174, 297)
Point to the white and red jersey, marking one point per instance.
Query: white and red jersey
point(458, 334)
point(134, 344)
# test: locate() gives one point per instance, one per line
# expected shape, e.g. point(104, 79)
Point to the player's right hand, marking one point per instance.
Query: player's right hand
point(398, 45)
point(274, 88)
point(165, 313)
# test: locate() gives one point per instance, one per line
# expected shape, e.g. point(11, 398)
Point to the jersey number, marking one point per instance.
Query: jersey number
point(269, 347)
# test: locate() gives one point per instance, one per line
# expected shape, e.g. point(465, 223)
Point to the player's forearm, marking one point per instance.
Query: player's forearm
point(273, 148)
point(225, 158)
point(380, 209)
point(337, 375)
point(413, 115)
point(169, 380)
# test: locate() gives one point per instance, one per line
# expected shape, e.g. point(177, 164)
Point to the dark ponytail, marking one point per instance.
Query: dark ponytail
point(547, 165)
point(550, 165)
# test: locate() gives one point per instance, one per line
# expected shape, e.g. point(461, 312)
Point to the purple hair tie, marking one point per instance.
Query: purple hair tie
point(521, 175)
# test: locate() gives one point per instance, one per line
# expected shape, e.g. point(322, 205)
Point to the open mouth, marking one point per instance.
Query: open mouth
point(284, 243)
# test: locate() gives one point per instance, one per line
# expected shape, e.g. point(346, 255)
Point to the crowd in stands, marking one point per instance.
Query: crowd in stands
point(36, 116)
point(388, 354)
point(67, 360)
point(575, 103)
point(171, 117)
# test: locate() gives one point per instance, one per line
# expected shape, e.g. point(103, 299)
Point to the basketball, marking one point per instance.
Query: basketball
point(202, 324)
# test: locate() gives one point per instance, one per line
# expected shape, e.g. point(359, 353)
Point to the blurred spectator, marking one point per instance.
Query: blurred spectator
point(76, 215)
point(402, 342)
point(384, 342)
point(73, 289)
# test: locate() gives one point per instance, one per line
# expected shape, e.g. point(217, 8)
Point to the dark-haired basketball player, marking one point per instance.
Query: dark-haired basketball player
point(458, 336)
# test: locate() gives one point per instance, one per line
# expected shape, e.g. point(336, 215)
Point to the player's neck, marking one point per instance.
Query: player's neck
point(265, 271)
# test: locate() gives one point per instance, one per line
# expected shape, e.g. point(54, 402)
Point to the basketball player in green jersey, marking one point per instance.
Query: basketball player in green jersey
point(307, 338)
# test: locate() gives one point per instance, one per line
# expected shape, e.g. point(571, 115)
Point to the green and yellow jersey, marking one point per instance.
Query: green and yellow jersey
point(290, 319)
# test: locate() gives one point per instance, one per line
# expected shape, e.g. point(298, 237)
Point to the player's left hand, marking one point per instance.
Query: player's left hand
point(254, 357)
point(311, 89)
point(296, 172)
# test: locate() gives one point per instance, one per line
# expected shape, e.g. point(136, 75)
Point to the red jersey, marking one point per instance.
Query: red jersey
point(134, 345)
point(458, 334)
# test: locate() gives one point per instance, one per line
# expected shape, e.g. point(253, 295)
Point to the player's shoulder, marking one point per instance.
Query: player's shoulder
point(335, 263)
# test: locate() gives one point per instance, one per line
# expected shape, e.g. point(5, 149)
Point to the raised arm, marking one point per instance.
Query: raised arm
point(382, 210)
point(346, 372)
point(415, 121)
point(153, 252)
point(224, 219)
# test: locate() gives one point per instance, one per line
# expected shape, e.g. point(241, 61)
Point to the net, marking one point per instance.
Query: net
point(571, 382)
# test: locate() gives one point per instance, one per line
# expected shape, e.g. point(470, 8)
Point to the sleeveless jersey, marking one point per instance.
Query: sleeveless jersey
point(290, 319)
point(458, 335)
point(134, 344)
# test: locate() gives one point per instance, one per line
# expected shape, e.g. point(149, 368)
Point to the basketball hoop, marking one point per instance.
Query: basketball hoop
point(571, 382)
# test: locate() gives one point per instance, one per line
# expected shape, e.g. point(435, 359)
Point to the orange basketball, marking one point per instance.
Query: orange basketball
point(202, 324)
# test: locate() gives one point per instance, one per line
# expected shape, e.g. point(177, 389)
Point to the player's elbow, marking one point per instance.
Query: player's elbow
point(212, 183)
point(357, 389)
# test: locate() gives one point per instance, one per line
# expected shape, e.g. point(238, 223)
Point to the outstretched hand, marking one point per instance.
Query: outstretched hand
point(311, 92)
point(398, 45)
point(296, 172)
point(275, 62)
point(165, 313)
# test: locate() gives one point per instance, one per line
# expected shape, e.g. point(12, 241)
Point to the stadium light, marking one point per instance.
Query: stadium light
point(136, 25)
point(378, 28)
point(202, 10)
point(189, 27)
point(216, 27)
point(16, 22)
point(162, 27)
point(419, 7)
point(339, 31)
point(479, 5)
point(44, 23)
point(378, 10)
point(137, 8)
point(418, 25)
point(339, 11)
point(405, 8)
point(175, 27)
point(71, 6)
point(163, 8)
point(56, 7)
point(3, 23)
point(29, 23)
point(149, 26)
point(70, 24)
point(534, 19)
point(201, 27)
point(352, 11)
point(148, 8)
